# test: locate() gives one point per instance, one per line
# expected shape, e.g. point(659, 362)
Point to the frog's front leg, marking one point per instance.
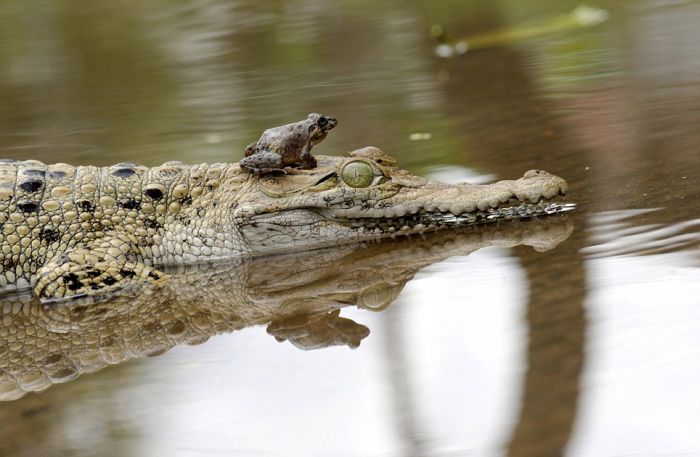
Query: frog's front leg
point(250, 149)
point(263, 162)
point(109, 264)
point(306, 158)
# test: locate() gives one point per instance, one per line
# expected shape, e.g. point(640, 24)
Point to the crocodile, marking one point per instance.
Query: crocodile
point(69, 232)
point(298, 298)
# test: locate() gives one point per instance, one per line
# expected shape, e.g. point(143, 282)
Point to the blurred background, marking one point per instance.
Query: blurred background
point(587, 350)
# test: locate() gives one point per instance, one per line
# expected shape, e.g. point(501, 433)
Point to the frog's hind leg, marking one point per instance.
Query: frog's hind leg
point(263, 162)
point(112, 263)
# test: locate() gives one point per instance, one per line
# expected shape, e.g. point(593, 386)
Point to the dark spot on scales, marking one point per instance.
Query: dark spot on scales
point(130, 204)
point(127, 273)
point(109, 280)
point(27, 207)
point(31, 185)
point(50, 236)
point(41, 173)
point(97, 226)
point(57, 174)
point(155, 194)
point(93, 273)
point(123, 172)
point(9, 264)
point(151, 223)
point(72, 281)
point(186, 200)
point(85, 205)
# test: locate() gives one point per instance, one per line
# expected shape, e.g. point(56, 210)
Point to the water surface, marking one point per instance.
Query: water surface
point(583, 347)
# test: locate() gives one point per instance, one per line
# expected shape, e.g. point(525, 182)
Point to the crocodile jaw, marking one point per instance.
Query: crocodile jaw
point(406, 205)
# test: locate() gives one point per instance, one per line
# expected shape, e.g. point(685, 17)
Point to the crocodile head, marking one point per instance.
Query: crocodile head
point(365, 196)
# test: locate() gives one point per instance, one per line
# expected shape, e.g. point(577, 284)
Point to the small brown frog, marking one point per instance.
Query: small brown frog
point(287, 145)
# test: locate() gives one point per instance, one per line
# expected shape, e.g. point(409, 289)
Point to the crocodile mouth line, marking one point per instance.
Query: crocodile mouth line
point(425, 220)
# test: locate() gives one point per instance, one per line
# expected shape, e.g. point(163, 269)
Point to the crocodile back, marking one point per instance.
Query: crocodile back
point(48, 209)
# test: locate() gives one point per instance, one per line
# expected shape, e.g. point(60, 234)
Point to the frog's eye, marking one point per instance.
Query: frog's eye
point(322, 122)
point(357, 173)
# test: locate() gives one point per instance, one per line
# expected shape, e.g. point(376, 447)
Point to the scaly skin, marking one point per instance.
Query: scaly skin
point(74, 231)
point(298, 296)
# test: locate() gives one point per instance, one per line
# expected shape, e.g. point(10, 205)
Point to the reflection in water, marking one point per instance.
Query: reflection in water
point(616, 233)
point(43, 345)
point(455, 345)
point(297, 295)
point(556, 320)
point(581, 16)
point(642, 359)
point(555, 313)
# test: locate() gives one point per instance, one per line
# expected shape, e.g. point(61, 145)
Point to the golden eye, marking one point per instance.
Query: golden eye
point(357, 174)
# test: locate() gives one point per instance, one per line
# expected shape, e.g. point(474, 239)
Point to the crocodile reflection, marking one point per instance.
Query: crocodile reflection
point(298, 297)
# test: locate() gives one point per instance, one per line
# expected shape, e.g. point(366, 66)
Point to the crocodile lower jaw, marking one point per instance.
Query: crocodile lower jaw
point(424, 220)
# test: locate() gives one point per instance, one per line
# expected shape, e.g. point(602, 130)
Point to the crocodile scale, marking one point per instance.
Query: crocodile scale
point(70, 231)
point(125, 214)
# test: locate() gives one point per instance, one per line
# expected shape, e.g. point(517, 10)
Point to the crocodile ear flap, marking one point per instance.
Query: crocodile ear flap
point(376, 155)
point(326, 178)
point(285, 185)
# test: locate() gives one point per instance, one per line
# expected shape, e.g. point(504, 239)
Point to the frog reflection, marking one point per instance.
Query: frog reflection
point(319, 331)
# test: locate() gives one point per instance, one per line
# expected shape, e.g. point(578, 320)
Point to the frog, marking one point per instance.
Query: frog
point(287, 145)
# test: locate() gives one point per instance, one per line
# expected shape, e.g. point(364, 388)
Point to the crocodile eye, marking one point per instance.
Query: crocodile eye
point(357, 174)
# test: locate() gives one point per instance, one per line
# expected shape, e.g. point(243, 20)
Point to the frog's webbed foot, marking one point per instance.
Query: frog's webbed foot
point(103, 267)
point(309, 163)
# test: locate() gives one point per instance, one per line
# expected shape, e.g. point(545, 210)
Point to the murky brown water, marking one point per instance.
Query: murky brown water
point(589, 348)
